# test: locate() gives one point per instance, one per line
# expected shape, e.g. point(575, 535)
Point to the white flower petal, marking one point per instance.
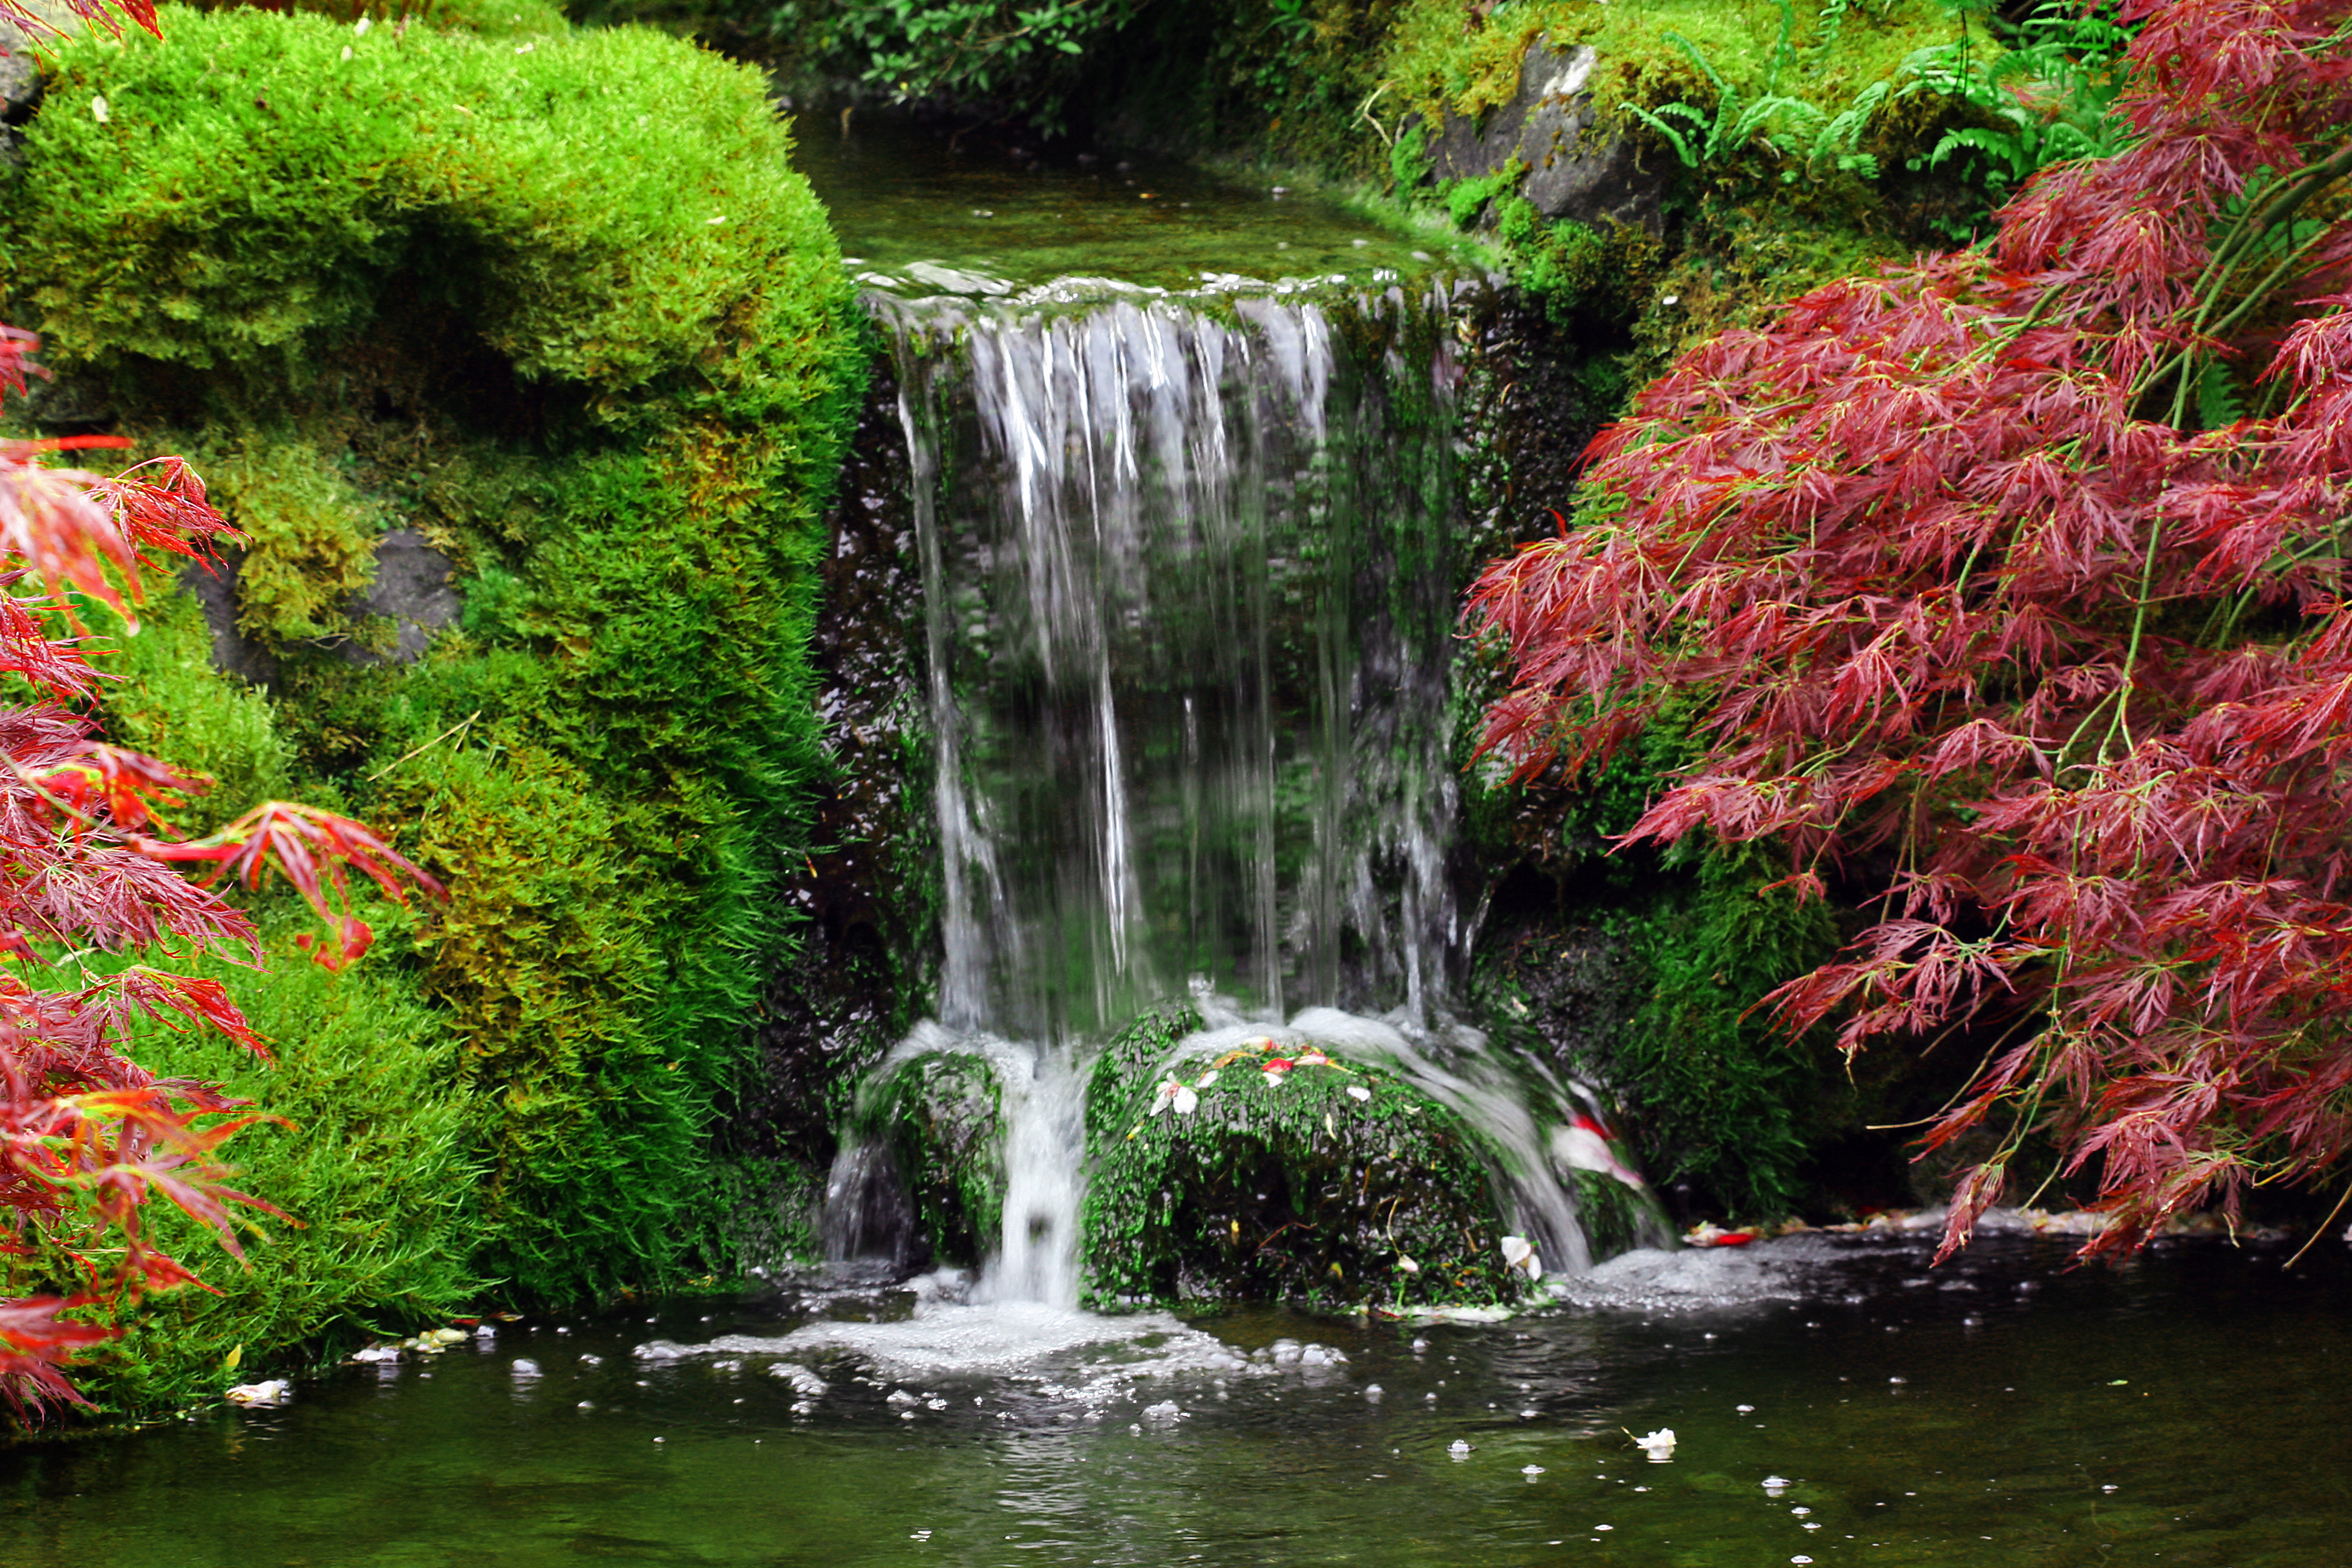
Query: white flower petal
point(1358, 1091)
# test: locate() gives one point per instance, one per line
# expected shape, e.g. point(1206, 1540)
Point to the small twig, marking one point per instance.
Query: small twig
point(428, 746)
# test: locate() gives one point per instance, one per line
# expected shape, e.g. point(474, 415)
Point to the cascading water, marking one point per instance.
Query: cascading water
point(1188, 581)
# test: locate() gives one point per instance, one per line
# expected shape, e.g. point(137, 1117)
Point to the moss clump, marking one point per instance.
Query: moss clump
point(371, 1165)
point(943, 1116)
point(1826, 56)
point(1289, 1190)
point(566, 313)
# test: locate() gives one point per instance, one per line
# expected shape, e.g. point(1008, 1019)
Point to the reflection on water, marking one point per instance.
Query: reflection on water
point(2183, 1411)
point(898, 198)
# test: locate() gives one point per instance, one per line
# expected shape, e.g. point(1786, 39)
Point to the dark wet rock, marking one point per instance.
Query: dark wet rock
point(1574, 170)
point(1299, 1191)
point(20, 75)
point(943, 1118)
point(856, 978)
point(234, 653)
point(868, 1213)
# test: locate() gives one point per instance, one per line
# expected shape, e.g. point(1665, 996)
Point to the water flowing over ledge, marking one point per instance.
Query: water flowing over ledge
point(1186, 566)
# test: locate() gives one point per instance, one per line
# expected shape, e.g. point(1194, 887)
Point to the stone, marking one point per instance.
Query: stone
point(1573, 172)
point(413, 588)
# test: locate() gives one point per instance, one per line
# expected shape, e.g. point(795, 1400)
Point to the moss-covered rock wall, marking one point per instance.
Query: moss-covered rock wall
point(554, 306)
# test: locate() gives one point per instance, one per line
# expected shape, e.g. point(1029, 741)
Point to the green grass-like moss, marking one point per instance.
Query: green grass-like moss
point(476, 289)
point(372, 1162)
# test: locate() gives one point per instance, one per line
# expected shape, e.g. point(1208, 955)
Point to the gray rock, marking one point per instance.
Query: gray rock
point(232, 652)
point(20, 76)
point(413, 588)
point(1570, 175)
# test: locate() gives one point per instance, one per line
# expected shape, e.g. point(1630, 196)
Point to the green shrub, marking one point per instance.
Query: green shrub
point(371, 1168)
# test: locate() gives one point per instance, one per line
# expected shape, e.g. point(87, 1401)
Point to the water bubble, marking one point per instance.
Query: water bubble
point(1745, 1409)
point(1531, 1469)
point(1458, 1448)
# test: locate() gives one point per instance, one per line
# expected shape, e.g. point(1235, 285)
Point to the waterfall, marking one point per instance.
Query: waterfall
point(1188, 574)
point(1189, 612)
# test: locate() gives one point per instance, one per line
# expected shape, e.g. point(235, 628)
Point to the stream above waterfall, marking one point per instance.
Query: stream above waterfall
point(1868, 1410)
point(901, 200)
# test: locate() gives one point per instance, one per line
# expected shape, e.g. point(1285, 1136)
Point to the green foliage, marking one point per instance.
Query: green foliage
point(962, 50)
point(2050, 95)
point(1297, 1192)
point(478, 290)
point(372, 1168)
point(1740, 124)
point(1714, 1095)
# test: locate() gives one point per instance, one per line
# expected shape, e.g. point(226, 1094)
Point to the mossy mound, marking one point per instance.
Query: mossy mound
point(943, 1117)
point(560, 309)
point(1280, 1185)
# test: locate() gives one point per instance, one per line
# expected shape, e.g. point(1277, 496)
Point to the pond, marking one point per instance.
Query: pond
point(1855, 1407)
point(900, 199)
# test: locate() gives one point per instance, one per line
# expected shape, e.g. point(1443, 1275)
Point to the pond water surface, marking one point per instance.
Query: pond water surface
point(2185, 1410)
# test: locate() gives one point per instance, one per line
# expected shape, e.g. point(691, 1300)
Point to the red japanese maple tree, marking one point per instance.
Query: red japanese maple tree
point(2013, 580)
point(88, 1137)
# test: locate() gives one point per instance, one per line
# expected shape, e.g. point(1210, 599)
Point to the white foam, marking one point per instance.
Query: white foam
point(1026, 1340)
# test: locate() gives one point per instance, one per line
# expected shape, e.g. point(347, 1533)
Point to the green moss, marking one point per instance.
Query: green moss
point(1831, 54)
point(1299, 1191)
point(310, 535)
point(943, 1116)
point(370, 1165)
point(170, 702)
point(606, 209)
point(475, 289)
point(485, 18)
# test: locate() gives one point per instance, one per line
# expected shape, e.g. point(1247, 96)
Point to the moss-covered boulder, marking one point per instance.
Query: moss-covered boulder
point(1250, 1176)
point(941, 1114)
point(555, 306)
